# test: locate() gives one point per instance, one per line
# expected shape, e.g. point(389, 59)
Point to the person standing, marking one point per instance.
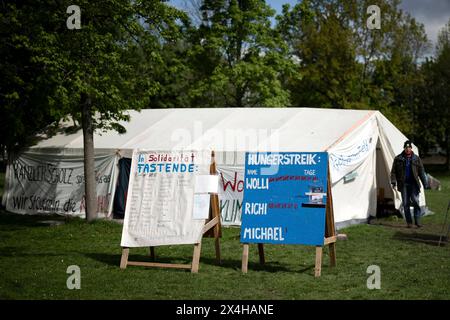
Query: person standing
point(407, 169)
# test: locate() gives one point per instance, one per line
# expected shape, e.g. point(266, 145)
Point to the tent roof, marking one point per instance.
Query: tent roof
point(225, 129)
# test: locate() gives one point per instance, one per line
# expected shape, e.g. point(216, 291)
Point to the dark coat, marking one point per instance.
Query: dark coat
point(399, 167)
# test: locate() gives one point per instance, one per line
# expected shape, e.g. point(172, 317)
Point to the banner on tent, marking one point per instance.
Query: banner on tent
point(43, 183)
point(285, 196)
point(352, 151)
point(166, 202)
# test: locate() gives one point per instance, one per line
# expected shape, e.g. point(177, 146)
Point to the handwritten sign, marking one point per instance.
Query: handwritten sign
point(284, 198)
point(54, 183)
point(161, 207)
point(231, 181)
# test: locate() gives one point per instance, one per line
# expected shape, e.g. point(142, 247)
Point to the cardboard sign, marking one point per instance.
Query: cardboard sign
point(285, 196)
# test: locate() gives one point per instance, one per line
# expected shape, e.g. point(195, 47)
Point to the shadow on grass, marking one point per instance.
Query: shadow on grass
point(106, 258)
point(389, 224)
point(426, 238)
point(272, 267)
point(17, 221)
point(114, 259)
point(19, 252)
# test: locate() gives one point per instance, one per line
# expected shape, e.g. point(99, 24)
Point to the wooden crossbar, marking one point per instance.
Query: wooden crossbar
point(329, 240)
point(159, 265)
point(210, 224)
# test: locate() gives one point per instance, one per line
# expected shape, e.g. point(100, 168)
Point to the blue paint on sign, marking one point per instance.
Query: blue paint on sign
point(285, 196)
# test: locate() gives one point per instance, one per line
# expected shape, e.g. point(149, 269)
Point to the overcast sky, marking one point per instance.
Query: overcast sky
point(434, 14)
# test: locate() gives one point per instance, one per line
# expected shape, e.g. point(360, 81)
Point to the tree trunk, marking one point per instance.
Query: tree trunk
point(89, 164)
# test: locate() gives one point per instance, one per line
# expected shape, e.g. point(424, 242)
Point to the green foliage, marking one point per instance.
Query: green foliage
point(432, 113)
point(25, 90)
point(110, 58)
point(237, 58)
point(442, 96)
point(93, 74)
point(51, 72)
point(321, 40)
point(140, 54)
point(343, 64)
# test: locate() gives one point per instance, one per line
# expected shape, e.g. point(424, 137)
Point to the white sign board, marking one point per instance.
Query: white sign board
point(206, 184)
point(160, 200)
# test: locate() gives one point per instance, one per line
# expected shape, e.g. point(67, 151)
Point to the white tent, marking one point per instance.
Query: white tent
point(361, 145)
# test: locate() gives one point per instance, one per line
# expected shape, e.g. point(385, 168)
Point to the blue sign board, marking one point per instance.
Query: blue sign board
point(285, 196)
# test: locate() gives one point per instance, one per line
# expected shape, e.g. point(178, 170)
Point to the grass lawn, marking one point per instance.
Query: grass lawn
point(34, 257)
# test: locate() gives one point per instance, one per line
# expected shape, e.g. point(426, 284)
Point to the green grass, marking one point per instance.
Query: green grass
point(34, 258)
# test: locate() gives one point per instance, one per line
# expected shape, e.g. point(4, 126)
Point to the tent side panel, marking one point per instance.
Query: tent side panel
point(391, 140)
point(355, 199)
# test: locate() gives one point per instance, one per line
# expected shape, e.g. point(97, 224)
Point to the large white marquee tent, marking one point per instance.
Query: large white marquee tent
point(361, 145)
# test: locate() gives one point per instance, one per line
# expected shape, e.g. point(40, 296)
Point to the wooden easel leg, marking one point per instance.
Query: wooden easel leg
point(318, 267)
point(245, 258)
point(217, 243)
point(124, 259)
point(332, 253)
point(152, 253)
point(261, 253)
point(196, 257)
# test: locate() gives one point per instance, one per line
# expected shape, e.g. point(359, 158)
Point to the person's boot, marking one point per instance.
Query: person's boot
point(418, 224)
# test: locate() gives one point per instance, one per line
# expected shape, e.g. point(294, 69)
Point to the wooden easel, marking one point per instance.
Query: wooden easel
point(213, 222)
point(330, 234)
point(330, 240)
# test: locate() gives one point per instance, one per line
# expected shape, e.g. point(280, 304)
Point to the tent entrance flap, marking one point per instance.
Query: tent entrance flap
point(385, 194)
point(120, 197)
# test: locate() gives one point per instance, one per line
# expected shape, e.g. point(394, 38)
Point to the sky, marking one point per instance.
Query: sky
point(434, 14)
